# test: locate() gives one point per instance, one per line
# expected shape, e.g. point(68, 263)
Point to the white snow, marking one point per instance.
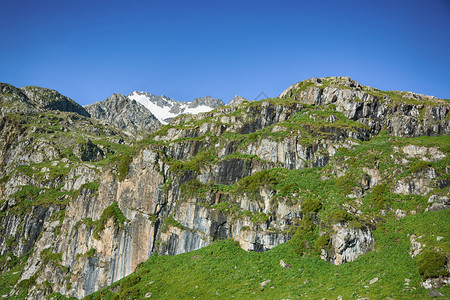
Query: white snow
point(162, 113)
point(198, 109)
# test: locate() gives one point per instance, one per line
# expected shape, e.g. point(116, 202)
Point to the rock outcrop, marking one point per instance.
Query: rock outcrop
point(347, 244)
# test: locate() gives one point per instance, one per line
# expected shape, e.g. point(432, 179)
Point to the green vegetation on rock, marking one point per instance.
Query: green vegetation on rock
point(112, 212)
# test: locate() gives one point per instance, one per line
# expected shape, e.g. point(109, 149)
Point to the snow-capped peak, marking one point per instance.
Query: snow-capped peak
point(165, 108)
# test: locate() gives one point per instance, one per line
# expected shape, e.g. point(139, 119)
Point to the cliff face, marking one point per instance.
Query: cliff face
point(317, 162)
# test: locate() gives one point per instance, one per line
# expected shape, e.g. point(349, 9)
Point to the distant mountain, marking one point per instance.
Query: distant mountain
point(124, 113)
point(165, 108)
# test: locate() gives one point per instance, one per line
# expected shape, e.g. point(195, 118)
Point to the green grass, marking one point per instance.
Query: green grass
point(9, 279)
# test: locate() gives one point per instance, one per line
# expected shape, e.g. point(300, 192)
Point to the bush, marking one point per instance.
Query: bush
point(194, 188)
point(303, 236)
point(431, 264)
point(311, 206)
point(378, 195)
point(340, 216)
point(124, 166)
point(322, 242)
point(113, 211)
point(170, 221)
point(419, 166)
point(129, 282)
point(252, 184)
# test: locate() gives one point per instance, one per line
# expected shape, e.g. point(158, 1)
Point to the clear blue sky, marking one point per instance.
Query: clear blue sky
point(88, 50)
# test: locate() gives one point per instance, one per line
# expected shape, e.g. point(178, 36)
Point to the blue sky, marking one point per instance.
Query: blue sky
point(88, 50)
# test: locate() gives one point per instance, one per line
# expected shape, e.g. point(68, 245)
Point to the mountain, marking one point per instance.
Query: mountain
point(128, 115)
point(333, 189)
point(165, 108)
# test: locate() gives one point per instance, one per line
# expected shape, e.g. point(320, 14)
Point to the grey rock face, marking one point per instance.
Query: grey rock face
point(347, 244)
point(419, 184)
point(161, 101)
point(13, 99)
point(438, 203)
point(126, 114)
point(434, 294)
point(88, 151)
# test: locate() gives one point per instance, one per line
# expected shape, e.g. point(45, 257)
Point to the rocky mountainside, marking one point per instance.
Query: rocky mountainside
point(165, 108)
point(128, 115)
point(337, 177)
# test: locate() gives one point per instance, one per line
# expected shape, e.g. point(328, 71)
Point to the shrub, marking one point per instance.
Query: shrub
point(311, 206)
point(431, 264)
point(130, 281)
point(252, 184)
point(259, 218)
point(170, 221)
point(340, 216)
point(113, 211)
point(47, 256)
point(194, 188)
point(93, 186)
point(419, 166)
point(303, 236)
point(124, 166)
point(378, 195)
point(322, 242)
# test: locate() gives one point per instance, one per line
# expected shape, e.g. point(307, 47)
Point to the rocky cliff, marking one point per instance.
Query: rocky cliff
point(322, 166)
